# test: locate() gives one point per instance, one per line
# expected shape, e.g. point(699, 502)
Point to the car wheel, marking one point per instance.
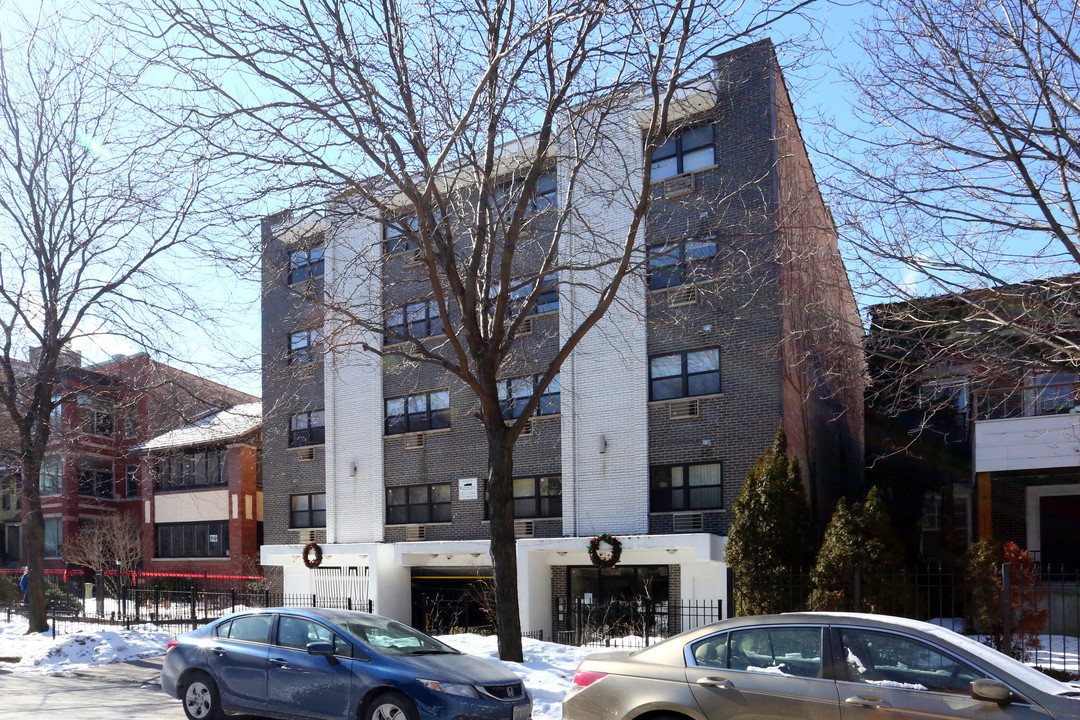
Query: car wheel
point(201, 698)
point(391, 706)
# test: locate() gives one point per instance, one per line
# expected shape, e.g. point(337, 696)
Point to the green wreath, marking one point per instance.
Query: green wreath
point(312, 562)
point(594, 547)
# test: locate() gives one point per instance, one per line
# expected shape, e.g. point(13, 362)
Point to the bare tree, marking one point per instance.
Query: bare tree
point(447, 121)
point(111, 543)
point(92, 196)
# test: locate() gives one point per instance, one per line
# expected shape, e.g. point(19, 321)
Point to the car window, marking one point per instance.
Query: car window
point(390, 637)
point(296, 632)
point(222, 630)
point(897, 661)
point(250, 628)
point(711, 652)
point(794, 651)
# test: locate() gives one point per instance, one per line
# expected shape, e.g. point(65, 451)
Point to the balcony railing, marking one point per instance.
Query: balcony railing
point(1025, 401)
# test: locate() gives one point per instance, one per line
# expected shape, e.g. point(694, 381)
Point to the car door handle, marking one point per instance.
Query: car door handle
point(717, 682)
point(219, 651)
point(867, 702)
point(280, 662)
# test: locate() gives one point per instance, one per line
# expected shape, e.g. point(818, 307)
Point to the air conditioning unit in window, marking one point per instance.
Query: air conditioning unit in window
point(683, 409)
point(414, 258)
point(415, 533)
point(683, 295)
point(305, 454)
point(686, 522)
point(679, 185)
point(304, 371)
point(307, 536)
point(526, 327)
point(414, 441)
point(523, 528)
point(527, 431)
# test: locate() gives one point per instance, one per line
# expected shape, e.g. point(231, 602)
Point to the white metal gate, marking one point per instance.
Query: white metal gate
point(340, 585)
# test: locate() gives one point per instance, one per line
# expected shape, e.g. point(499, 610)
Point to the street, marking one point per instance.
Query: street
point(36, 697)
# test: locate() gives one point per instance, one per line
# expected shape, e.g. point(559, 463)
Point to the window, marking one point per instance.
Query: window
point(686, 487)
point(692, 149)
point(131, 481)
point(416, 320)
point(131, 423)
point(5, 500)
point(295, 632)
point(545, 195)
point(96, 479)
point(400, 235)
point(308, 511)
point(546, 301)
point(514, 395)
point(249, 628)
point(537, 497)
point(895, 661)
point(304, 346)
point(1056, 393)
point(54, 537)
point(792, 651)
point(51, 477)
point(931, 513)
point(95, 415)
point(306, 264)
point(416, 413)
point(684, 374)
point(947, 397)
point(675, 263)
point(56, 415)
point(192, 469)
point(307, 428)
point(418, 504)
point(198, 539)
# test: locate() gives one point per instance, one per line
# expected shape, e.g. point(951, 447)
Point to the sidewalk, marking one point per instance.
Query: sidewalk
point(137, 672)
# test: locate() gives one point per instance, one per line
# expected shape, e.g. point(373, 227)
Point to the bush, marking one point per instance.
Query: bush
point(10, 594)
point(61, 601)
point(985, 615)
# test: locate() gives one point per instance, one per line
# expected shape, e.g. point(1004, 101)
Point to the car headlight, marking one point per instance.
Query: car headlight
point(450, 688)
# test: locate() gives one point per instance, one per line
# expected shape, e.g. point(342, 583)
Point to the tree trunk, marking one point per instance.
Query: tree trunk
point(500, 497)
point(35, 552)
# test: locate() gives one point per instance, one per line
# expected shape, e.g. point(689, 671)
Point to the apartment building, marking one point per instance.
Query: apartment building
point(103, 414)
point(741, 320)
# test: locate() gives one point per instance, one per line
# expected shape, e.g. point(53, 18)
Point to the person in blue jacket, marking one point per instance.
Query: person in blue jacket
point(24, 584)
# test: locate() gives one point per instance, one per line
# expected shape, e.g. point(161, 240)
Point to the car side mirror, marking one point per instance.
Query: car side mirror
point(991, 691)
point(324, 649)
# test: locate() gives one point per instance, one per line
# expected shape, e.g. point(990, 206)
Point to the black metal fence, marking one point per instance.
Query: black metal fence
point(633, 623)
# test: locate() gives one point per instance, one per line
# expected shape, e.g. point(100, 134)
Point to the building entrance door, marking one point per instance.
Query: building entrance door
point(1059, 530)
point(448, 599)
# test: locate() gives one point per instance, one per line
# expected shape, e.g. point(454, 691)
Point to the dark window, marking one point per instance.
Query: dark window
point(546, 301)
point(419, 412)
point(415, 320)
point(198, 539)
point(514, 394)
point(249, 628)
point(673, 264)
point(54, 537)
point(306, 264)
point(295, 632)
point(308, 511)
point(304, 346)
point(692, 149)
point(96, 480)
point(307, 428)
point(95, 415)
point(545, 195)
point(686, 487)
point(791, 651)
point(192, 469)
point(418, 504)
point(537, 497)
point(56, 415)
point(131, 481)
point(400, 235)
point(684, 374)
point(51, 476)
point(886, 659)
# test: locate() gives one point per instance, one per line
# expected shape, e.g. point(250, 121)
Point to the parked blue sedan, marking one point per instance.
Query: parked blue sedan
point(316, 663)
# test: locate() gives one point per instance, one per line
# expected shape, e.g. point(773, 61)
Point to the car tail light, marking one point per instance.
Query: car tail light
point(584, 678)
point(172, 643)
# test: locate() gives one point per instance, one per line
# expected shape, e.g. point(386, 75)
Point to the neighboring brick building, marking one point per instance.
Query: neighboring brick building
point(103, 413)
point(971, 417)
point(744, 320)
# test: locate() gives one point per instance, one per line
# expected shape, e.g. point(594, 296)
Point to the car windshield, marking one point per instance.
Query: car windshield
point(390, 637)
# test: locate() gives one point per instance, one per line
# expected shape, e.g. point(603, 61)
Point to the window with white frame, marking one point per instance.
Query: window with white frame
point(418, 412)
point(692, 148)
point(305, 264)
point(414, 320)
point(305, 345)
point(514, 394)
point(682, 261)
point(684, 374)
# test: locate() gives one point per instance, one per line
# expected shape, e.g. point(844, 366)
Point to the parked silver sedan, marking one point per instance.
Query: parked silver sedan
point(816, 666)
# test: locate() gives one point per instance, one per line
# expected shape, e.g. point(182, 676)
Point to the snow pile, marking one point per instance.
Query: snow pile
point(78, 650)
